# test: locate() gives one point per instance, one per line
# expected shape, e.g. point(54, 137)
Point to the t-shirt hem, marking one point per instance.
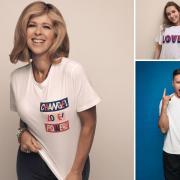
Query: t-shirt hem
point(171, 151)
point(50, 164)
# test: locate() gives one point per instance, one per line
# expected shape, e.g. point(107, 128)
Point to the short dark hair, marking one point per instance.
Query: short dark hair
point(176, 72)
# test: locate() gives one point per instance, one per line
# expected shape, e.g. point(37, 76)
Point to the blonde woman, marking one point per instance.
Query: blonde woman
point(53, 98)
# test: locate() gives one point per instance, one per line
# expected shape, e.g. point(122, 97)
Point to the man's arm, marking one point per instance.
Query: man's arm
point(163, 119)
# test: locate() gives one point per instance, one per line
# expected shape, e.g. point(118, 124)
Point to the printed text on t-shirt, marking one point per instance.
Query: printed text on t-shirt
point(171, 38)
point(55, 121)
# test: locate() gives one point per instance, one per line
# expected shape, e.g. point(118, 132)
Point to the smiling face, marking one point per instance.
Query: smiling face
point(40, 35)
point(173, 15)
point(176, 85)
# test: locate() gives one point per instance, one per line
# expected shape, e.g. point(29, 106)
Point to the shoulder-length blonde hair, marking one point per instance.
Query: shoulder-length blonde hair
point(59, 48)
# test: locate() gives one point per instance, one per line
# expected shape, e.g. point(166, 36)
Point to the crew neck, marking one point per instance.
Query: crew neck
point(45, 82)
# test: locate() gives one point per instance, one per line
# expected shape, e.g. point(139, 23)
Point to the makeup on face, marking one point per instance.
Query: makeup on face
point(40, 34)
point(173, 15)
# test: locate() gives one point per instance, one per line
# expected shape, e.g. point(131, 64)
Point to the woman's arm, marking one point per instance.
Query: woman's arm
point(157, 52)
point(27, 140)
point(88, 125)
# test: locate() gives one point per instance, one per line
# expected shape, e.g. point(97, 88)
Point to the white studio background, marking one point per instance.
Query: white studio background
point(101, 38)
point(149, 17)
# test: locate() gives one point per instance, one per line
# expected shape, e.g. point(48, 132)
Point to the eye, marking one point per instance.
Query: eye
point(46, 26)
point(31, 25)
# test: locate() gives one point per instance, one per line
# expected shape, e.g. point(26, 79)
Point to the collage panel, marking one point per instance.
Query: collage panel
point(157, 90)
point(59, 59)
point(157, 119)
point(157, 29)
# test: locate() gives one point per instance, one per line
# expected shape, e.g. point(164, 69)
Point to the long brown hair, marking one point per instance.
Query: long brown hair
point(167, 22)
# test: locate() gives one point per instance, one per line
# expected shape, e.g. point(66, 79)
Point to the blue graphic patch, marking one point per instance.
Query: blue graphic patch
point(54, 105)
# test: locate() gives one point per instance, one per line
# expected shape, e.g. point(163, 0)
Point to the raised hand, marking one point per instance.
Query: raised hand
point(166, 98)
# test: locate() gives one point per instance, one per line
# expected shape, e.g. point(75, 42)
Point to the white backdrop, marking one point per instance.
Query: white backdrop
point(149, 16)
point(101, 36)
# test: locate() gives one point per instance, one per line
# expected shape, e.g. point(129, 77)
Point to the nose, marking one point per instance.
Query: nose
point(38, 30)
point(171, 15)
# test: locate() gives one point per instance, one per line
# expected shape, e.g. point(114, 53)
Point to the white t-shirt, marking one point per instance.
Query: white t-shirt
point(172, 138)
point(169, 38)
point(50, 110)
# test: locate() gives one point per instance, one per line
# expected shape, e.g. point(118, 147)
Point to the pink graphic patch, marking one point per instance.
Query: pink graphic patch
point(58, 127)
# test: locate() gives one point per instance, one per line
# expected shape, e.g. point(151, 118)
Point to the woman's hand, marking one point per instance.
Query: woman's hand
point(29, 143)
point(74, 176)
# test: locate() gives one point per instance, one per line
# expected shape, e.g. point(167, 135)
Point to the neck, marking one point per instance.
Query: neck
point(41, 66)
point(41, 63)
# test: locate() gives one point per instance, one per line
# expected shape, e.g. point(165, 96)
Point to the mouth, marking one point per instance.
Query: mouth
point(37, 41)
point(174, 18)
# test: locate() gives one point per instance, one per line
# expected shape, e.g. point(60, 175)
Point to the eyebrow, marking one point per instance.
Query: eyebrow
point(44, 23)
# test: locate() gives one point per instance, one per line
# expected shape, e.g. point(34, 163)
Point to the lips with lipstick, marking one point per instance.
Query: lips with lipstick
point(38, 41)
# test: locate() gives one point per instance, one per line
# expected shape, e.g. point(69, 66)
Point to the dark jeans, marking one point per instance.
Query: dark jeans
point(30, 166)
point(171, 163)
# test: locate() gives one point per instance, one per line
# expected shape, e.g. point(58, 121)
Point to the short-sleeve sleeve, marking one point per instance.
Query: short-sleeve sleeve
point(159, 38)
point(86, 96)
point(12, 96)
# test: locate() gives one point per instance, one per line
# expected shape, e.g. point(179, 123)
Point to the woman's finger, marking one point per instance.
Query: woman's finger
point(36, 143)
point(24, 148)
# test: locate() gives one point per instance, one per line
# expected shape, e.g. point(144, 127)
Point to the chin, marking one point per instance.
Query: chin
point(38, 53)
point(178, 94)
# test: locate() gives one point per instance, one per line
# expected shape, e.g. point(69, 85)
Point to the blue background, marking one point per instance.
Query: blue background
point(151, 79)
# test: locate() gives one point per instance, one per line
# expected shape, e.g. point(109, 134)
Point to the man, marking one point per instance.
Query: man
point(169, 124)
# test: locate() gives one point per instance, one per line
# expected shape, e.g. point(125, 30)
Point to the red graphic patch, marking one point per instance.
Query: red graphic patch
point(58, 127)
